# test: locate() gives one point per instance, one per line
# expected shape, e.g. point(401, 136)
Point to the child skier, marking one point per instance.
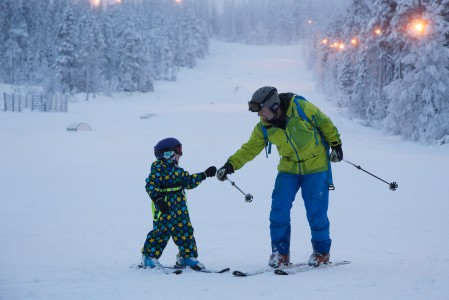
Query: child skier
point(165, 186)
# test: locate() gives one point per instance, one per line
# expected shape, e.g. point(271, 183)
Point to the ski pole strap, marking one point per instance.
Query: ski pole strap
point(329, 179)
point(330, 182)
point(173, 189)
point(267, 142)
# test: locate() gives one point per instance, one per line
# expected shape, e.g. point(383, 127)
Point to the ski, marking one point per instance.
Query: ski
point(306, 268)
point(164, 269)
point(202, 270)
point(178, 270)
point(266, 270)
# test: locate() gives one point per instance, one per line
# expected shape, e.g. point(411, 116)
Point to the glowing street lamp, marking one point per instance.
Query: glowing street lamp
point(337, 46)
point(95, 3)
point(418, 27)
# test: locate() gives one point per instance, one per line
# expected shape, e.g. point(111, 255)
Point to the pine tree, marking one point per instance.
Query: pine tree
point(66, 55)
point(92, 56)
point(130, 53)
point(15, 44)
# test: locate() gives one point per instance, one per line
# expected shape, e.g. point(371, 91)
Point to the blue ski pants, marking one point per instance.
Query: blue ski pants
point(315, 193)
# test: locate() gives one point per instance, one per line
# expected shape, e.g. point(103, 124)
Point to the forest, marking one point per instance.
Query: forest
point(385, 61)
point(75, 46)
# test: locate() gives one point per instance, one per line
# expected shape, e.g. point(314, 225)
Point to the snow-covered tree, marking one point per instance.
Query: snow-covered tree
point(91, 56)
point(130, 57)
point(419, 98)
point(66, 51)
point(15, 43)
point(393, 77)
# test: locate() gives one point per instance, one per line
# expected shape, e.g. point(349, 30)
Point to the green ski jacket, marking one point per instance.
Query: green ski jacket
point(302, 145)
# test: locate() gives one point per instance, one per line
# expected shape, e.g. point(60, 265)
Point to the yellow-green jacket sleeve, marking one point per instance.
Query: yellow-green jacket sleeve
point(249, 150)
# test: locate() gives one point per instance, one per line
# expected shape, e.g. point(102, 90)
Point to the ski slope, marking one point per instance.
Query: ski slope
point(74, 212)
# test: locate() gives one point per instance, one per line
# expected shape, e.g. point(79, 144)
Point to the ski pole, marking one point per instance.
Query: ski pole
point(248, 197)
point(393, 185)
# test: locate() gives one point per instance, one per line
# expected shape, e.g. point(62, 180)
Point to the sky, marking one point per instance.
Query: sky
point(74, 212)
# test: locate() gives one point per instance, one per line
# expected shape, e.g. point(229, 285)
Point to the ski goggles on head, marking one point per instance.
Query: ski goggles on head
point(170, 152)
point(168, 155)
point(257, 106)
point(254, 106)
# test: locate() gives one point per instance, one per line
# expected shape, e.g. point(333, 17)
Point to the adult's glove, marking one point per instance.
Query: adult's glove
point(210, 172)
point(224, 171)
point(336, 153)
point(162, 205)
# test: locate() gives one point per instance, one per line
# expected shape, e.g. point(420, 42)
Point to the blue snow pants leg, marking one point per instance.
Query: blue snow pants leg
point(285, 188)
point(315, 194)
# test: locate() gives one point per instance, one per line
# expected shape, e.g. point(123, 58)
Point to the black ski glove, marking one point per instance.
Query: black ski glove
point(162, 205)
point(336, 153)
point(210, 172)
point(225, 170)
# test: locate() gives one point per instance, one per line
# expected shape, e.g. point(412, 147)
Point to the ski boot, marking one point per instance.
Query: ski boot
point(279, 260)
point(317, 259)
point(192, 262)
point(150, 262)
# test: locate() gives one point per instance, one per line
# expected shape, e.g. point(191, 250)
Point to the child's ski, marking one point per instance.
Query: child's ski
point(179, 270)
point(203, 270)
point(164, 269)
point(301, 269)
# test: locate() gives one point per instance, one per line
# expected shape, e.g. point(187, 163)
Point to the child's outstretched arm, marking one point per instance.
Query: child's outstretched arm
point(191, 181)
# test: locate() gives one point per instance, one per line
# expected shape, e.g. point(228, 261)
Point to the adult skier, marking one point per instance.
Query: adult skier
point(301, 133)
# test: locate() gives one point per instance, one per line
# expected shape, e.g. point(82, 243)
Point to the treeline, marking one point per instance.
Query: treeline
point(387, 61)
point(70, 46)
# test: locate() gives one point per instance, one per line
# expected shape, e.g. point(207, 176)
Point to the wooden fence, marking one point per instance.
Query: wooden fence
point(39, 102)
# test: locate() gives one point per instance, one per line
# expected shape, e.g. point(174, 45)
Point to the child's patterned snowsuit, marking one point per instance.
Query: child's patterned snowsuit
point(168, 180)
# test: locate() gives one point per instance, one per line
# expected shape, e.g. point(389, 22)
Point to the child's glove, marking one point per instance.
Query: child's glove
point(162, 205)
point(210, 172)
point(336, 153)
point(225, 170)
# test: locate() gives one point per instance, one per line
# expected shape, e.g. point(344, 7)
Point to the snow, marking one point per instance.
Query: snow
point(74, 212)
